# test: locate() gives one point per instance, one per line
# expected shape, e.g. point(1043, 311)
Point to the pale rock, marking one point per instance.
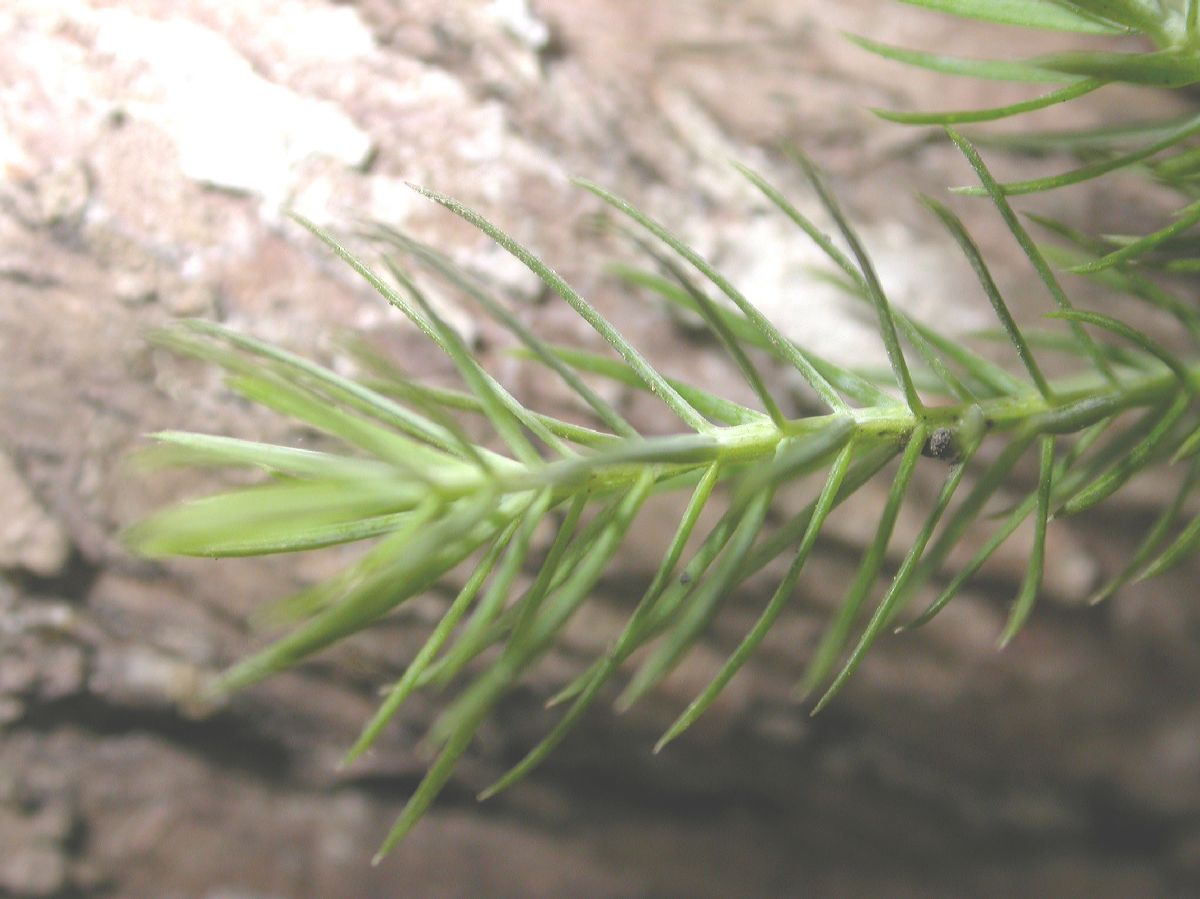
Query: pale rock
point(233, 128)
point(11, 709)
point(61, 194)
point(30, 539)
point(521, 22)
point(30, 865)
point(14, 160)
point(135, 287)
point(191, 299)
point(142, 677)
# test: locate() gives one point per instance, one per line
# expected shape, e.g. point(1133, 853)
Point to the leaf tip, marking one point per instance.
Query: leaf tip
point(1010, 632)
point(822, 702)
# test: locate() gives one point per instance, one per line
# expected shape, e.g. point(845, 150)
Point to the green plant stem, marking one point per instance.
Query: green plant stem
point(1074, 404)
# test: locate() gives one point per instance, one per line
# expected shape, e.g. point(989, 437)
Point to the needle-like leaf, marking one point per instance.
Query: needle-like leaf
point(1166, 68)
point(1151, 346)
point(892, 600)
point(586, 687)
point(1189, 128)
point(1027, 245)
point(1185, 219)
point(974, 116)
point(1153, 539)
point(836, 634)
point(636, 361)
point(501, 408)
point(404, 687)
point(844, 380)
point(1037, 556)
point(992, 69)
point(603, 409)
point(959, 232)
point(1046, 15)
point(1112, 480)
point(822, 387)
point(883, 308)
point(1181, 548)
point(783, 593)
point(724, 333)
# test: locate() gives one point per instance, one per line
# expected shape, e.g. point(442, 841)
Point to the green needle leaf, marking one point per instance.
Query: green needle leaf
point(1011, 522)
point(636, 361)
point(717, 324)
point(493, 392)
point(474, 637)
point(439, 772)
point(783, 593)
point(836, 634)
point(1188, 448)
point(425, 552)
point(921, 338)
point(847, 382)
point(883, 309)
point(1181, 548)
point(521, 652)
point(1146, 16)
point(587, 687)
point(896, 593)
point(972, 116)
point(751, 504)
point(411, 678)
point(1037, 556)
point(531, 602)
point(282, 517)
point(970, 509)
point(536, 345)
point(175, 448)
point(1166, 68)
point(427, 396)
point(1190, 128)
point(992, 69)
point(716, 407)
point(1043, 15)
point(502, 410)
point(1111, 481)
point(1153, 539)
point(784, 346)
point(1186, 218)
point(959, 232)
point(1108, 323)
point(703, 604)
point(314, 395)
point(1027, 245)
point(967, 571)
point(1105, 137)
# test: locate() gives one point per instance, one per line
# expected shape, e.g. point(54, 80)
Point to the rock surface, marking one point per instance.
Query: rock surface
point(147, 149)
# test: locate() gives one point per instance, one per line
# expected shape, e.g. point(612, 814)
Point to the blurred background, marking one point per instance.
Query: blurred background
point(148, 149)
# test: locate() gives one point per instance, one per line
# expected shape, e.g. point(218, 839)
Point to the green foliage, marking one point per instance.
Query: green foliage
point(432, 498)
